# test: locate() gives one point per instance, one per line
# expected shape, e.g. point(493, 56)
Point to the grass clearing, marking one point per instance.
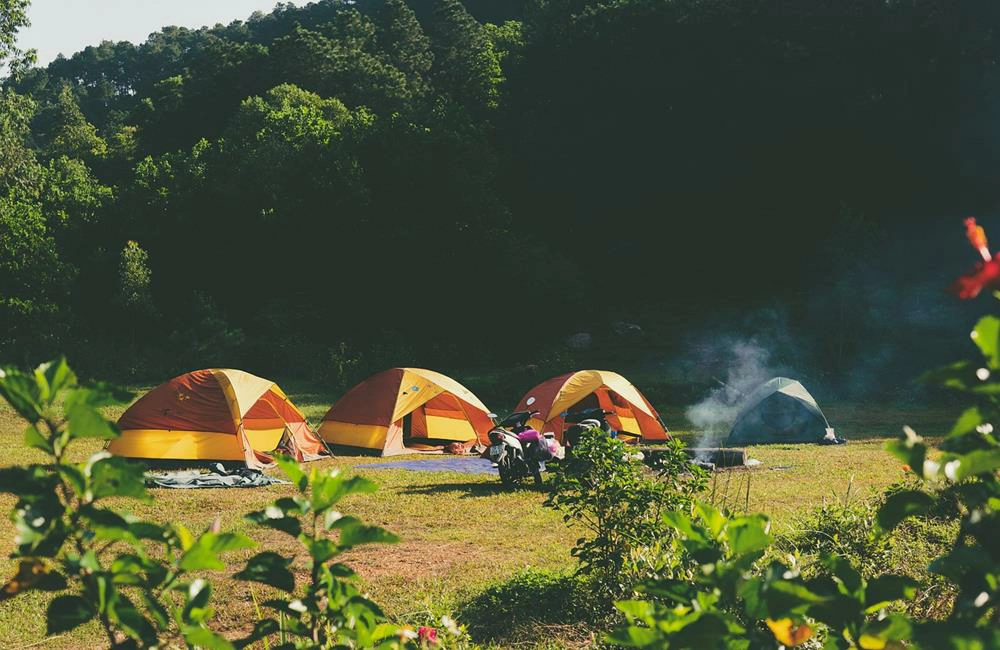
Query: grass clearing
point(461, 533)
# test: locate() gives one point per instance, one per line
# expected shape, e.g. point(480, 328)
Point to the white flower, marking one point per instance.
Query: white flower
point(408, 633)
point(983, 374)
point(951, 469)
point(931, 469)
point(297, 606)
point(981, 599)
point(985, 428)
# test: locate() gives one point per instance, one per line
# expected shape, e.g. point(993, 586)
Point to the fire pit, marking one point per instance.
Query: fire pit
point(709, 457)
point(718, 456)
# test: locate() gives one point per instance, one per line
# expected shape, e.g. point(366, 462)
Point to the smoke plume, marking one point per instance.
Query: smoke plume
point(749, 365)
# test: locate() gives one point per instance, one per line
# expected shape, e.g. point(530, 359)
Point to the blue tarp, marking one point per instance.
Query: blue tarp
point(464, 465)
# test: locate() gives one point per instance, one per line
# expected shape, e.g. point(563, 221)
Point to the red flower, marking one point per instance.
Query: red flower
point(427, 635)
point(985, 275)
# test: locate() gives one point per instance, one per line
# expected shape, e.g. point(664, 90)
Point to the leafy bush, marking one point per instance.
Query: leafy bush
point(529, 597)
point(712, 593)
point(605, 487)
point(713, 596)
point(330, 611)
point(133, 576)
point(852, 531)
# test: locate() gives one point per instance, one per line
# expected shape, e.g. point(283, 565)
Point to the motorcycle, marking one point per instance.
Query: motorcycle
point(580, 421)
point(514, 461)
point(592, 418)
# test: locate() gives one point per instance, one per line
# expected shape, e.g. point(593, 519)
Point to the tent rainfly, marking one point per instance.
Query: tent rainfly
point(216, 414)
point(406, 410)
point(779, 410)
point(584, 389)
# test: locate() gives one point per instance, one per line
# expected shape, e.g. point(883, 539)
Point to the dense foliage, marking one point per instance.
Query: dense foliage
point(311, 183)
point(144, 582)
point(139, 579)
point(604, 487)
point(716, 591)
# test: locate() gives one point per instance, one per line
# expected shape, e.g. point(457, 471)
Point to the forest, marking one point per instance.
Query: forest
point(330, 189)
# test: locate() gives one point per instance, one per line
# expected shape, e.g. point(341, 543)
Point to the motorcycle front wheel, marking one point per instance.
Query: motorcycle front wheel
point(505, 475)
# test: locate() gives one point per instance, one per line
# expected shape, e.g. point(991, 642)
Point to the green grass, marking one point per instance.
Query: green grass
point(461, 533)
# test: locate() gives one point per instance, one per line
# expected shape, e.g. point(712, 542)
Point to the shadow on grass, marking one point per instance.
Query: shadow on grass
point(467, 490)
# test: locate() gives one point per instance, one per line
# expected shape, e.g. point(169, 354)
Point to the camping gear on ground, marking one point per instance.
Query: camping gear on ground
point(630, 412)
point(241, 477)
point(216, 414)
point(405, 411)
point(777, 411)
point(460, 464)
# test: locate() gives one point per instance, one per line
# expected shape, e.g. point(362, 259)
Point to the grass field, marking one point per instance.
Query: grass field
point(460, 532)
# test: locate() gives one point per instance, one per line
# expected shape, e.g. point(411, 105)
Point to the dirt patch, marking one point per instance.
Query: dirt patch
point(413, 559)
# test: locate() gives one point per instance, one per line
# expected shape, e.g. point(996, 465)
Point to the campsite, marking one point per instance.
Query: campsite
point(452, 524)
point(480, 324)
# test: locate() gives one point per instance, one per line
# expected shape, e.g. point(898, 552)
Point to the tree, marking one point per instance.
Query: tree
point(13, 16)
point(135, 278)
point(64, 131)
point(34, 280)
point(403, 40)
point(19, 168)
point(465, 66)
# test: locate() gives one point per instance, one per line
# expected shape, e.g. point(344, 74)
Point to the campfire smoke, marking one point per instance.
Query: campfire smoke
point(748, 368)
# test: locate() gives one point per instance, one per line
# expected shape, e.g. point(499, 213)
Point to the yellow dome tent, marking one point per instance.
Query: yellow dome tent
point(406, 410)
point(217, 414)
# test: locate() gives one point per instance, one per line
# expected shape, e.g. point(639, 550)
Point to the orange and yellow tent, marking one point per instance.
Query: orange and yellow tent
point(632, 412)
point(406, 410)
point(216, 414)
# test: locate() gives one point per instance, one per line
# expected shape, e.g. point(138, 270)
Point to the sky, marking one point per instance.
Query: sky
point(68, 26)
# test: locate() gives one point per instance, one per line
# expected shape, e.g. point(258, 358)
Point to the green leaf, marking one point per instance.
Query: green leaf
point(320, 550)
point(205, 550)
point(357, 535)
point(67, 612)
point(269, 568)
point(959, 376)
point(34, 439)
point(97, 395)
point(73, 476)
point(636, 609)
point(986, 335)
point(748, 535)
point(274, 517)
point(901, 505)
point(115, 476)
point(261, 630)
point(53, 377)
point(201, 637)
point(131, 621)
point(968, 421)
point(22, 393)
point(883, 590)
point(293, 471)
point(86, 422)
point(982, 461)
point(633, 637)
point(106, 524)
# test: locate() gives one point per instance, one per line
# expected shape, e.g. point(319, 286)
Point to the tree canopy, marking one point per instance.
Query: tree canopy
point(479, 180)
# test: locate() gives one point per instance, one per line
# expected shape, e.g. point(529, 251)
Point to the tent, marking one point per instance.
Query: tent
point(779, 410)
point(216, 414)
point(633, 414)
point(406, 410)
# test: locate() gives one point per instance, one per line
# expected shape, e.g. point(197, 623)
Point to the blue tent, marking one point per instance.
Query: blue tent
point(779, 410)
